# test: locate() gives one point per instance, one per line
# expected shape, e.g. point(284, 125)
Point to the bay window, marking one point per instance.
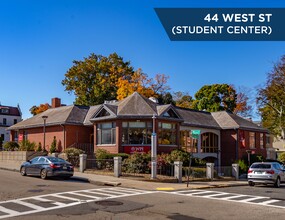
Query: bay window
point(106, 133)
point(136, 132)
point(166, 133)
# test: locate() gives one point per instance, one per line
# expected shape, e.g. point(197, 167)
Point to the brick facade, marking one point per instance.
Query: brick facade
point(232, 148)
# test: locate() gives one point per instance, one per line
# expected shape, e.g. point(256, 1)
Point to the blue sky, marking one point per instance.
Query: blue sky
point(40, 39)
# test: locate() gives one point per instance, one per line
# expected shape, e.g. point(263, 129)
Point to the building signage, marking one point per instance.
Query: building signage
point(242, 139)
point(136, 149)
point(20, 137)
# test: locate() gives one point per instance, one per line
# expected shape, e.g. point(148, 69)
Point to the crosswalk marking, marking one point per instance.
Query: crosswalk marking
point(233, 197)
point(65, 197)
point(8, 211)
point(21, 202)
point(84, 195)
point(90, 195)
point(252, 199)
point(269, 201)
point(48, 200)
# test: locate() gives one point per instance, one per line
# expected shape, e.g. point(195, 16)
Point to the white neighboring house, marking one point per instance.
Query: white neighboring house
point(8, 116)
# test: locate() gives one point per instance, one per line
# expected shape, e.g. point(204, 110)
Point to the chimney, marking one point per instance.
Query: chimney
point(55, 102)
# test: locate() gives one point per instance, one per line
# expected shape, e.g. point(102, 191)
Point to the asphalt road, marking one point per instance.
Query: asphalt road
point(13, 185)
point(58, 199)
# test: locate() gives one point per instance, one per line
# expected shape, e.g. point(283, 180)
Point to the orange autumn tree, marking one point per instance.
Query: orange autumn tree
point(139, 82)
point(39, 109)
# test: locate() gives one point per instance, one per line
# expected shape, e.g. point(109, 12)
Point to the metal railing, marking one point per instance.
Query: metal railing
point(105, 165)
point(223, 171)
point(88, 148)
point(194, 173)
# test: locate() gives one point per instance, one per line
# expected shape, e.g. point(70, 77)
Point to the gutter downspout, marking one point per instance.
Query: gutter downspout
point(64, 134)
point(237, 135)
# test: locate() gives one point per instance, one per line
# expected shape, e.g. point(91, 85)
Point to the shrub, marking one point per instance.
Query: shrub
point(72, 155)
point(73, 151)
point(53, 145)
point(242, 166)
point(11, 146)
point(256, 158)
point(196, 162)
point(26, 145)
point(281, 157)
point(179, 155)
point(137, 163)
point(40, 149)
point(198, 172)
point(102, 154)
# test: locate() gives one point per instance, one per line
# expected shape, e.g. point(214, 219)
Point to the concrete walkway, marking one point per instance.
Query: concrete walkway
point(131, 183)
point(154, 185)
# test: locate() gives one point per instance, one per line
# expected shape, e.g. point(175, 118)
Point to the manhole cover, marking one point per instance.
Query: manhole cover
point(268, 191)
point(109, 203)
point(35, 190)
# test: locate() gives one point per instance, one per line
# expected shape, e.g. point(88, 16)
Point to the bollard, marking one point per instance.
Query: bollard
point(210, 171)
point(54, 154)
point(235, 171)
point(178, 171)
point(82, 162)
point(117, 166)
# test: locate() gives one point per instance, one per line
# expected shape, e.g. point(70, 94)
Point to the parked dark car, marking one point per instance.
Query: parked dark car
point(45, 166)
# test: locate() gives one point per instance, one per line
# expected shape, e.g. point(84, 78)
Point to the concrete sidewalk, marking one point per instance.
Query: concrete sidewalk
point(131, 183)
point(154, 185)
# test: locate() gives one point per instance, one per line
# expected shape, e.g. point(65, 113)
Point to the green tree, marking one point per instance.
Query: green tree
point(53, 145)
point(281, 157)
point(166, 98)
point(216, 97)
point(183, 99)
point(94, 79)
point(271, 100)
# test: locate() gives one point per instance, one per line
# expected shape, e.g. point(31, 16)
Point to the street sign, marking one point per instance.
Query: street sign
point(195, 133)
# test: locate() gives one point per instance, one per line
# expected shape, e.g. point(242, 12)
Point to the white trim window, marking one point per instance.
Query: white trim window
point(106, 133)
point(136, 133)
point(251, 140)
point(261, 140)
point(166, 133)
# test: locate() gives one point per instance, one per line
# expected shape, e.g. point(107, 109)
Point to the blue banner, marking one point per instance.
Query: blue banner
point(223, 24)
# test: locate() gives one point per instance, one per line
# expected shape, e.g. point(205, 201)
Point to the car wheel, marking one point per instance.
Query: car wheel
point(277, 183)
point(23, 171)
point(251, 183)
point(43, 174)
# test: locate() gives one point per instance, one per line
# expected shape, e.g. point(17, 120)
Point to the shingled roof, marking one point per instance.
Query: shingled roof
point(72, 114)
point(228, 120)
point(137, 106)
point(13, 111)
point(197, 118)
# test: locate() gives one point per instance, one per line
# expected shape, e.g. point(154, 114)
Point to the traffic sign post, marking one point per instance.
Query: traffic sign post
point(153, 151)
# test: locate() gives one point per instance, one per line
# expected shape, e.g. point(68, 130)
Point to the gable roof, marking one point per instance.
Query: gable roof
point(72, 114)
point(197, 118)
point(228, 120)
point(136, 104)
point(13, 111)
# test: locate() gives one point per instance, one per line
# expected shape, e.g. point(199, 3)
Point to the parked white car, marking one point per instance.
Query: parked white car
point(266, 173)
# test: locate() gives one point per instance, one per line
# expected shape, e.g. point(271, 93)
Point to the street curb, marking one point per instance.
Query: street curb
point(9, 169)
point(98, 183)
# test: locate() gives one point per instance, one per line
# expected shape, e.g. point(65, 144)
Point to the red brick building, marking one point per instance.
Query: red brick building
point(126, 126)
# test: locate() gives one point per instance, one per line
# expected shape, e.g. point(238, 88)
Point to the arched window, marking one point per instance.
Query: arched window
point(209, 143)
